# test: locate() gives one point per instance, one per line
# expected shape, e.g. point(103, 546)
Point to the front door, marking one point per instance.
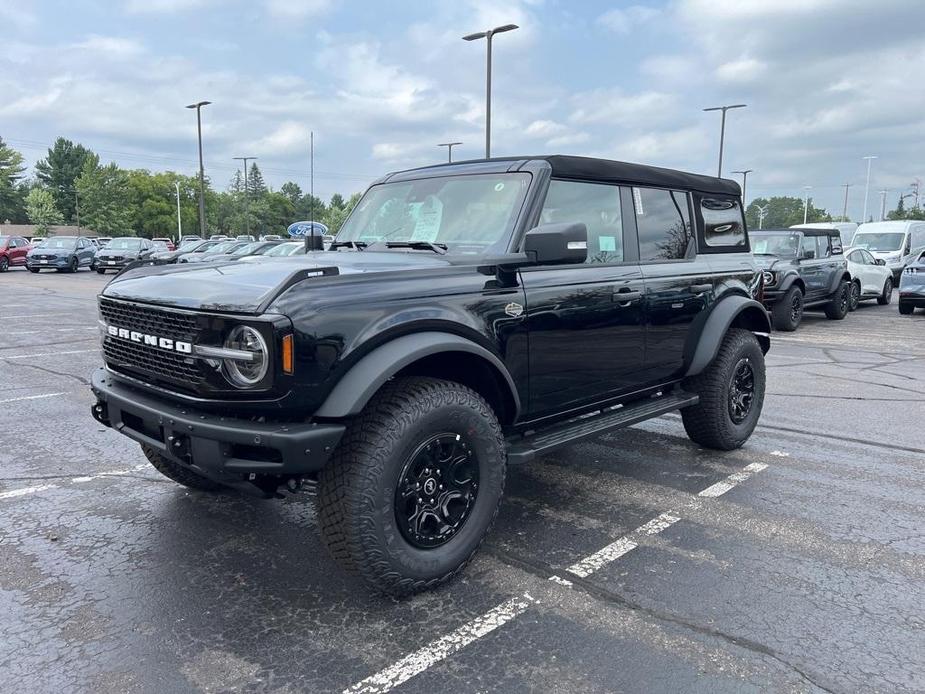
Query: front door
point(586, 321)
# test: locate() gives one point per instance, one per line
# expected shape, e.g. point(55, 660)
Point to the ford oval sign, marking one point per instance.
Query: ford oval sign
point(300, 229)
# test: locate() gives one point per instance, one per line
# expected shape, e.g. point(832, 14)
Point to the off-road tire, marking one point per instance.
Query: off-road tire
point(356, 490)
point(854, 298)
point(179, 474)
point(709, 422)
point(782, 312)
point(837, 308)
point(886, 296)
point(905, 309)
point(4, 264)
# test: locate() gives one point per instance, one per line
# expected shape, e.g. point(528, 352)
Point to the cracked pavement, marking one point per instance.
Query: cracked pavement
point(808, 576)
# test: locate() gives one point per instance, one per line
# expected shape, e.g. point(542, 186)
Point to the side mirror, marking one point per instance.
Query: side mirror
point(565, 242)
point(879, 261)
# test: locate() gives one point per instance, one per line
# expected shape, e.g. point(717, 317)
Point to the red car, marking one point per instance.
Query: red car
point(13, 250)
point(167, 242)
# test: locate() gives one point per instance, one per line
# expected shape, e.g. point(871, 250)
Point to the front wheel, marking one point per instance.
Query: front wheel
point(100, 271)
point(731, 391)
point(886, 296)
point(33, 269)
point(788, 311)
point(72, 265)
point(854, 296)
point(837, 308)
point(4, 264)
point(414, 486)
point(906, 309)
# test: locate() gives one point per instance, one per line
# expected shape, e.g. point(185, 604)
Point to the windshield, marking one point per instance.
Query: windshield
point(124, 244)
point(287, 249)
point(467, 214)
point(783, 245)
point(247, 249)
point(892, 241)
point(66, 242)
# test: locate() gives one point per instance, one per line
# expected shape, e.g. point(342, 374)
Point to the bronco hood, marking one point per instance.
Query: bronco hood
point(771, 262)
point(249, 286)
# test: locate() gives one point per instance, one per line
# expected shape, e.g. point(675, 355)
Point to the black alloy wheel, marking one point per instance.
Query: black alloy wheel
point(796, 307)
point(741, 390)
point(72, 265)
point(854, 298)
point(4, 264)
point(436, 490)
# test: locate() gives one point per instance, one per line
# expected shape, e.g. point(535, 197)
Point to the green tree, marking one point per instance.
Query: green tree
point(292, 191)
point(256, 187)
point(105, 203)
point(783, 212)
point(40, 207)
point(337, 215)
point(11, 171)
point(60, 170)
point(309, 206)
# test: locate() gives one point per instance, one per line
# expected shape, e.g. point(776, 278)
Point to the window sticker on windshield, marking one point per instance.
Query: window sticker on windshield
point(637, 201)
point(427, 218)
point(607, 243)
point(499, 187)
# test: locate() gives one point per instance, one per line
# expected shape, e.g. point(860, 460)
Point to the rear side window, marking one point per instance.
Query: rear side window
point(595, 204)
point(723, 225)
point(822, 247)
point(663, 223)
point(835, 240)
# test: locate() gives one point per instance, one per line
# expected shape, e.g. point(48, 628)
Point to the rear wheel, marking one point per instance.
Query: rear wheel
point(731, 391)
point(854, 296)
point(886, 296)
point(906, 309)
point(788, 311)
point(414, 485)
point(178, 473)
point(837, 308)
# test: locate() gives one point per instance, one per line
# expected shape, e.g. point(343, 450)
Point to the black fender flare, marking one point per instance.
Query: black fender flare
point(843, 276)
point(736, 308)
point(364, 378)
point(789, 281)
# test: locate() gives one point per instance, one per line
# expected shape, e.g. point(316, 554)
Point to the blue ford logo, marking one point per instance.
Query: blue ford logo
point(300, 229)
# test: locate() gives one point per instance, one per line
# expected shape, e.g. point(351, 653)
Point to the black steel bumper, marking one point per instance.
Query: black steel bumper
point(223, 448)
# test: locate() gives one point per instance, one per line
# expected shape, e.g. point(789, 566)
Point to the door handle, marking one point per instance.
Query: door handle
point(625, 296)
point(700, 288)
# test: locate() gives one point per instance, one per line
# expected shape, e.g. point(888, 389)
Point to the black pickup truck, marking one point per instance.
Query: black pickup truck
point(467, 317)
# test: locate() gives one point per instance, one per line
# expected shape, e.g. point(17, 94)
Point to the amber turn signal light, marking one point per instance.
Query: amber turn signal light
point(287, 354)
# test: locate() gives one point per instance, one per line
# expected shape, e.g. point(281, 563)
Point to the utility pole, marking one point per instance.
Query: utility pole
point(202, 176)
point(247, 221)
point(722, 132)
point(806, 190)
point(488, 35)
point(744, 173)
point(762, 213)
point(176, 184)
point(883, 204)
point(869, 159)
point(844, 212)
point(449, 150)
point(77, 209)
point(915, 192)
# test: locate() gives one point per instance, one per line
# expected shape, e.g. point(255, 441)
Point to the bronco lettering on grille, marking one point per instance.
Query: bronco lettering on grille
point(150, 340)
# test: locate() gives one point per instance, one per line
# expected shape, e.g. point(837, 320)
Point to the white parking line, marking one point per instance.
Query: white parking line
point(415, 663)
point(618, 548)
point(48, 354)
point(30, 397)
point(721, 488)
point(25, 491)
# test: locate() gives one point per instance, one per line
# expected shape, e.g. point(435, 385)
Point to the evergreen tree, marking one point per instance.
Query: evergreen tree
point(11, 171)
point(255, 184)
point(60, 170)
point(40, 207)
point(292, 191)
point(236, 186)
point(104, 199)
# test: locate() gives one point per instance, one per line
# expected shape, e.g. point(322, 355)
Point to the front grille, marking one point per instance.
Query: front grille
point(136, 357)
point(147, 319)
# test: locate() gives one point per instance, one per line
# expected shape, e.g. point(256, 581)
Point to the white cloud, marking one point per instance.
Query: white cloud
point(741, 71)
point(614, 107)
point(545, 128)
point(296, 9)
point(623, 21)
point(13, 13)
point(163, 6)
point(111, 45)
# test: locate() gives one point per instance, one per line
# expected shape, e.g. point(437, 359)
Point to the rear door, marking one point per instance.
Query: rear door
point(17, 250)
point(586, 320)
point(811, 268)
point(679, 284)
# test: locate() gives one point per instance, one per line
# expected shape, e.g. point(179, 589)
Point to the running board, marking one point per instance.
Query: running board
point(522, 449)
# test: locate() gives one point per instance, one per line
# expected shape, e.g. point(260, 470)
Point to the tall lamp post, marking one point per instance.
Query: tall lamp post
point(449, 149)
point(844, 211)
point(883, 204)
point(202, 176)
point(869, 159)
point(247, 221)
point(176, 184)
point(722, 131)
point(806, 190)
point(488, 35)
point(744, 173)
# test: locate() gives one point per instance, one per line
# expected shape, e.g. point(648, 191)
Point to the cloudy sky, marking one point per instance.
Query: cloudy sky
point(380, 83)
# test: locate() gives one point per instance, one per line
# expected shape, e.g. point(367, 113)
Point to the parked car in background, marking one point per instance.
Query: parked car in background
point(846, 230)
point(912, 286)
point(62, 253)
point(184, 249)
point(121, 251)
point(897, 242)
point(286, 249)
point(802, 268)
point(101, 241)
point(189, 238)
point(245, 237)
point(870, 278)
point(37, 241)
point(166, 242)
point(13, 251)
point(248, 250)
point(220, 247)
point(271, 237)
point(218, 237)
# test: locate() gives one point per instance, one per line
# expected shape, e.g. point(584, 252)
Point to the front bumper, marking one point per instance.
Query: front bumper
point(55, 263)
point(227, 449)
point(105, 264)
point(771, 297)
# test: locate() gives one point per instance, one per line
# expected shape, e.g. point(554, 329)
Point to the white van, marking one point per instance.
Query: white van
point(897, 243)
point(845, 229)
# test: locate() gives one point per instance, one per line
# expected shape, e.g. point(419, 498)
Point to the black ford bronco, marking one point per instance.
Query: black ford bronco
point(467, 317)
point(802, 268)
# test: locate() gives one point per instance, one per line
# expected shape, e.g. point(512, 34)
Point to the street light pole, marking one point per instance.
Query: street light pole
point(844, 212)
point(202, 176)
point(806, 190)
point(77, 209)
point(488, 35)
point(722, 131)
point(247, 221)
point(869, 159)
point(744, 173)
point(883, 204)
point(176, 184)
point(762, 213)
point(449, 150)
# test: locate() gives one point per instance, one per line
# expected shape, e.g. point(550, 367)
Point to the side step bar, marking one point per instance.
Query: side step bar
point(522, 449)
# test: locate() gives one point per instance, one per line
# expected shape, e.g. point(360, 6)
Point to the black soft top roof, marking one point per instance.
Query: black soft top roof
point(588, 169)
point(806, 231)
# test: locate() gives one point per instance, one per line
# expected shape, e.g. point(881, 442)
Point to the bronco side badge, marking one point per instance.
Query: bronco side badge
point(513, 310)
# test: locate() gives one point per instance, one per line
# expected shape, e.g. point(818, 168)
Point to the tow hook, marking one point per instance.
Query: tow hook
point(179, 445)
point(100, 413)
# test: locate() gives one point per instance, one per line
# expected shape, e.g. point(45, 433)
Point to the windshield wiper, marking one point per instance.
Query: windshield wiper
point(418, 246)
point(355, 245)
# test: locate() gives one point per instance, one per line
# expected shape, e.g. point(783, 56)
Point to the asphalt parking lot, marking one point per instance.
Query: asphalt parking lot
point(635, 562)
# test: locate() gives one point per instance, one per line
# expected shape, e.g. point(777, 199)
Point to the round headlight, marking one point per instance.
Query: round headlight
point(768, 278)
point(246, 374)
